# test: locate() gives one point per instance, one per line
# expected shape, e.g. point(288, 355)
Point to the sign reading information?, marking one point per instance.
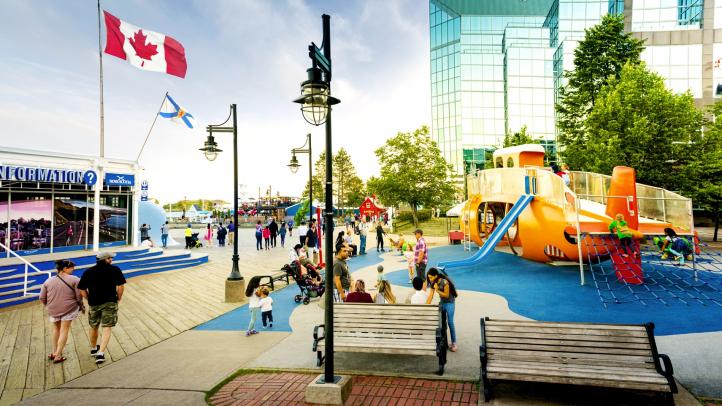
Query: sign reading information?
point(47, 175)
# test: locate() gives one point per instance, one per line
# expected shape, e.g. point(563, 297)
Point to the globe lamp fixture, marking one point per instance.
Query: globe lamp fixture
point(210, 148)
point(294, 165)
point(315, 99)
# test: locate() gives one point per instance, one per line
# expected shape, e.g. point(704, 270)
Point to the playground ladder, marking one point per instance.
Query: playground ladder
point(467, 234)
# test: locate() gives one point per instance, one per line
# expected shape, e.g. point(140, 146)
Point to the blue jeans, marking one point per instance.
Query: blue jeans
point(164, 239)
point(259, 241)
point(362, 248)
point(449, 309)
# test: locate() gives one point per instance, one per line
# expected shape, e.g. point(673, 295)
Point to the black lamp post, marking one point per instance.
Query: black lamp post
point(210, 150)
point(294, 165)
point(316, 102)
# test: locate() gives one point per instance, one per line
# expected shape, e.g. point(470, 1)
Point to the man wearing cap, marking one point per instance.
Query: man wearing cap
point(102, 286)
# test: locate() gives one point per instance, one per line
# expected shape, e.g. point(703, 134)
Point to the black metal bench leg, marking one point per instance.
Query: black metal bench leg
point(319, 358)
point(485, 389)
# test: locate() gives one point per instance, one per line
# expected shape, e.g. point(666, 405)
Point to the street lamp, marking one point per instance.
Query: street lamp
point(316, 102)
point(294, 165)
point(234, 282)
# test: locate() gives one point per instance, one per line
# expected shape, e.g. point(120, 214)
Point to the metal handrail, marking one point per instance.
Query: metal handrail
point(27, 264)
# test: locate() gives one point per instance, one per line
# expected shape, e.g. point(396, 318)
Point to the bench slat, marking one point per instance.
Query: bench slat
point(494, 341)
point(382, 350)
point(583, 381)
point(591, 369)
point(659, 379)
point(407, 324)
point(580, 331)
point(397, 310)
point(572, 349)
point(545, 355)
point(495, 335)
point(569, 361)
point(384, 333)
point(537, 324)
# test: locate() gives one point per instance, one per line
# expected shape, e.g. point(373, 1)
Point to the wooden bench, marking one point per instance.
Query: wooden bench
point(276, 277)
point(386, 329)
point(606, 355)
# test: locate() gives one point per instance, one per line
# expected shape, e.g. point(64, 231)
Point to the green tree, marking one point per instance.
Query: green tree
point(301, 214)
point(520, 137)
point(318, 179)
point(413, 171)
point(636, 121)
point(606, 48)
point(705, 171)
point(346, 184)
point(345, 179)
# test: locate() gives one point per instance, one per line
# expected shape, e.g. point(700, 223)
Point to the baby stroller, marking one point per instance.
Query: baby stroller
point(195, 241)
point(305, 283)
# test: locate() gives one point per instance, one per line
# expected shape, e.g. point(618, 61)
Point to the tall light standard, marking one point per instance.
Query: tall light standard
point(316, 102)
point(294, 165)
point(234, 282)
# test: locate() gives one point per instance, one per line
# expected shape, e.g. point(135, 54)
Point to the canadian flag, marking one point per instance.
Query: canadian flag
point(144, 49)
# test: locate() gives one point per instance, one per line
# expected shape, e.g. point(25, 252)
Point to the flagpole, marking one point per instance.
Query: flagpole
point(151, 127)
point(99, 184)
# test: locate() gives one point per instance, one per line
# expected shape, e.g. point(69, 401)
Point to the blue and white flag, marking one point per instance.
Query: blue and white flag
point(176, 113)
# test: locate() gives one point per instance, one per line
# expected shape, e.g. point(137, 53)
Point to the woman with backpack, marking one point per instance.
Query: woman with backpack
point(447, 297)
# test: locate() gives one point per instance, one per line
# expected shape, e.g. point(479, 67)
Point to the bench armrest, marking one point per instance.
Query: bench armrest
point(668, 371)
point(316, 337)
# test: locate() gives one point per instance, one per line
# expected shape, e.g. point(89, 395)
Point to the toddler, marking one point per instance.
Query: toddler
point(380, 274)
point(266, 304)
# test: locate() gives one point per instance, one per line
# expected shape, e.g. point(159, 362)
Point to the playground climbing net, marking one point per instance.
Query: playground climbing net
point(662, 280)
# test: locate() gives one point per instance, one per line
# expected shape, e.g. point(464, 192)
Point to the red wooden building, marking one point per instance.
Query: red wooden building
point(371, 208)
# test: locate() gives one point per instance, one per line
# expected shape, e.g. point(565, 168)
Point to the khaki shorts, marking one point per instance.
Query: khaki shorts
point(105, 314)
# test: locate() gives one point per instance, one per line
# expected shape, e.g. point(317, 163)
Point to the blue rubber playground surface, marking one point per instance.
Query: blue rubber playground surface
point(547, 293)
point(283, 304)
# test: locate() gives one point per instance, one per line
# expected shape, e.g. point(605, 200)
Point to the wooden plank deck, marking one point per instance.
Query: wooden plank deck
point(154, 308)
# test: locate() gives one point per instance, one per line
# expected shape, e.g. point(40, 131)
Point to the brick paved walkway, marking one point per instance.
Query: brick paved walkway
point(289, 389)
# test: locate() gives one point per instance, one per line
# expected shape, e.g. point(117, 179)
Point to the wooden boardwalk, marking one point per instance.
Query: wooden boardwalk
point(154, 308)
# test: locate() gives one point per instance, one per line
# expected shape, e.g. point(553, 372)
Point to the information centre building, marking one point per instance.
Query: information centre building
point(47, 202)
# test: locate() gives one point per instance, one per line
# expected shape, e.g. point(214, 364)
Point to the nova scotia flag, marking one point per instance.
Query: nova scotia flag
point(176, 113)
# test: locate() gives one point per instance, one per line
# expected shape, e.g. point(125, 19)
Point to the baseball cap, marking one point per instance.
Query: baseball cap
point(105, 255)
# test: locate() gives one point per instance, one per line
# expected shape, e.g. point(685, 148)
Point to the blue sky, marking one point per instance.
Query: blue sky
point(248, 52)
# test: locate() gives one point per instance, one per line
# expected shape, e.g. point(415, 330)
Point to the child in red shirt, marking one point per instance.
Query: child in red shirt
point(266, 236)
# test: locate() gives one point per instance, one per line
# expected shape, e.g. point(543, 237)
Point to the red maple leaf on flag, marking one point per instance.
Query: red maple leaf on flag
point(143, 50)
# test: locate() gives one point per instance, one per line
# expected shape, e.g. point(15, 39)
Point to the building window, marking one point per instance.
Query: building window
point(499, 162)
point(510, 163)
point(689, 12)
point(616, 6)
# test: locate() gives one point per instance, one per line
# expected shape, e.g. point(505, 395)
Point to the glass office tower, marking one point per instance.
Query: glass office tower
point(497, 65)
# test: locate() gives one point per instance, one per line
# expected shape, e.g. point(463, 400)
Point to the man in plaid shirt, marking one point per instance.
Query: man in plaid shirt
point(421, 254)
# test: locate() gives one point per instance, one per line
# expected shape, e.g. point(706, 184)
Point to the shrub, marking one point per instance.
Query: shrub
point(422, 214)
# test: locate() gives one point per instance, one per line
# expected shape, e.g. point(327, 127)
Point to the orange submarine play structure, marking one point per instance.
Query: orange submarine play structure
point(524, 206)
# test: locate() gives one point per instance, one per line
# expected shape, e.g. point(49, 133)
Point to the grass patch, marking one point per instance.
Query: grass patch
point(436, 227)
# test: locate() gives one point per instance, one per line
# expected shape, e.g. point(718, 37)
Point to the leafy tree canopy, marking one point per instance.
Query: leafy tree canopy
point(637, 122)
point(606, 48)
point(413, 171)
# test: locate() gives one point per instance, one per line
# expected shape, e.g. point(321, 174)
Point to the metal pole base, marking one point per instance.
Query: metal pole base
point(332, 393)
point(235, 290)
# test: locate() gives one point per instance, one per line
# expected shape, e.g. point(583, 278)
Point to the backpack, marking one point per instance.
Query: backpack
point(356, 230)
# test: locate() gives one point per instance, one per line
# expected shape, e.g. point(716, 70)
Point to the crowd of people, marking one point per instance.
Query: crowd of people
point(427, 284)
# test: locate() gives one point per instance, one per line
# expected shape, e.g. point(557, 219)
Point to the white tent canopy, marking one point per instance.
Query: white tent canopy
point(456, 210)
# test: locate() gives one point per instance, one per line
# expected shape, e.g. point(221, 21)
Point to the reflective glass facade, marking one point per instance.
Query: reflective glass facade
point(497, 65)
point(666, 15)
